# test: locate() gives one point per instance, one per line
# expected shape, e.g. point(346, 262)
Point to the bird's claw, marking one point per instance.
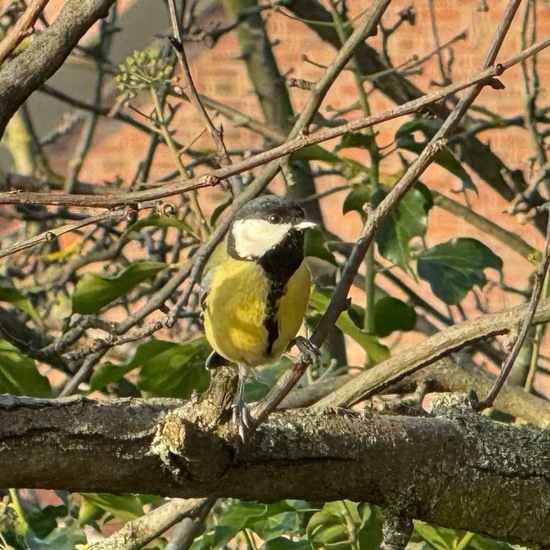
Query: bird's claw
point(307, 348)
point(241, 419)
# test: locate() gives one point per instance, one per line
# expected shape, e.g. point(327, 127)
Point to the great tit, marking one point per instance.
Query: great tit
point(256, 288)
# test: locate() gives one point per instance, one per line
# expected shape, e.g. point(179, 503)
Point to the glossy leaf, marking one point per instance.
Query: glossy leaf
point(175, 372)
point(356, 198)
point(405, 139)
point(15, 298)
point(439, 538)
point(158, 220)
point(355, 139)
point(408, 220)
point(127, 507)
point(94, 291)
point(109, 373)
point(316, 246)
point(391, 314)
point(19, 375)
point(369, 342)
point(453, 268)
point(282, 543)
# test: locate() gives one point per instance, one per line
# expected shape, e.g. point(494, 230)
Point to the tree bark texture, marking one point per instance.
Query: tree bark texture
point(460, 470)
point(45, 54)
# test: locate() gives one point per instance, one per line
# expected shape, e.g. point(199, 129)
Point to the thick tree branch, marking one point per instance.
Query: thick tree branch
point(172, 448)
point(46, 53)
point(437, 346)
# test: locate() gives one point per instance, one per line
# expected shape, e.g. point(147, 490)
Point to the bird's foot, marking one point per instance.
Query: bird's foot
point(241, 414)
point(241, 419)
point(307, 348)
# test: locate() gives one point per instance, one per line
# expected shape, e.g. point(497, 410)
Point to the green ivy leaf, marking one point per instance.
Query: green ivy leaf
point(369, 342)
point(453, 268)
point(316, 152)
point(175, 372)
point(282, 543)
point(356, 198)
point(19, 375)
point(480, 542)
point(109, 373)
point(355, 139)
point(94, 291)
point(15, 298)
point(276, 525)
point(158, 220)
point(316, 246)
point(391, 314)
point(127, 507)
point(439, 537)
point(240, 514)
point(408, 220)
point(350, 168)
point(329, 528)
point(404, 138)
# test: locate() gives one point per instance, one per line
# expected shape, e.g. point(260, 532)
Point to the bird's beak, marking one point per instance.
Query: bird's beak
point(302, 226)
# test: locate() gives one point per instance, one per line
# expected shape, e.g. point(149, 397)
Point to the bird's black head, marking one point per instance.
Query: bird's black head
point(269, 229)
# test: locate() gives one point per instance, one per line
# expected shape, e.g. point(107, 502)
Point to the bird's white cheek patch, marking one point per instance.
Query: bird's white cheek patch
point(253, 238)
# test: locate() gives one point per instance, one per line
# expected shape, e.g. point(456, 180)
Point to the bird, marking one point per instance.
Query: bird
point(256, 288)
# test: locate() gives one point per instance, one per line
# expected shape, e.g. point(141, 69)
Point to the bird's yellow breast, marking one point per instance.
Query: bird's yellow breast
point(235, 310)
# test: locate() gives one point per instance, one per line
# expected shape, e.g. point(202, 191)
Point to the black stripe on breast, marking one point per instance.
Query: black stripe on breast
point(271, 322)
point(279, 264)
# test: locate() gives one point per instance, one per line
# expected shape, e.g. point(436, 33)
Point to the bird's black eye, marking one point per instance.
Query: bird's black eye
point(275, 218)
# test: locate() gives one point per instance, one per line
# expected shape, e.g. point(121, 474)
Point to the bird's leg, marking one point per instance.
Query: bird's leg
point(240, 412)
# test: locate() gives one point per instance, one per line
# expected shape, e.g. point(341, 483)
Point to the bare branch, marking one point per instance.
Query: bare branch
point(22, 28)
point(299, 142)
point(46, 53)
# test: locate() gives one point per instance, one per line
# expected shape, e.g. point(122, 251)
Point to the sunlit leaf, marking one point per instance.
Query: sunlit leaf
point(175, 372)
point(158, 220)
point(316, 246)
point(408, 220)
point(93, 291)
point(15, 298)
point(19, 375)
point(369, 342)
point(439, 538)
point(127, 507)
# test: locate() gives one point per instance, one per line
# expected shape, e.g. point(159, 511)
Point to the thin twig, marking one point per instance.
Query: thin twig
point(138, 533)
point(526, 325)
point(177, 44)
point(53, 233)
point(442, 344)
point(22, 28)
point(339, 298)
point(302, 140)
